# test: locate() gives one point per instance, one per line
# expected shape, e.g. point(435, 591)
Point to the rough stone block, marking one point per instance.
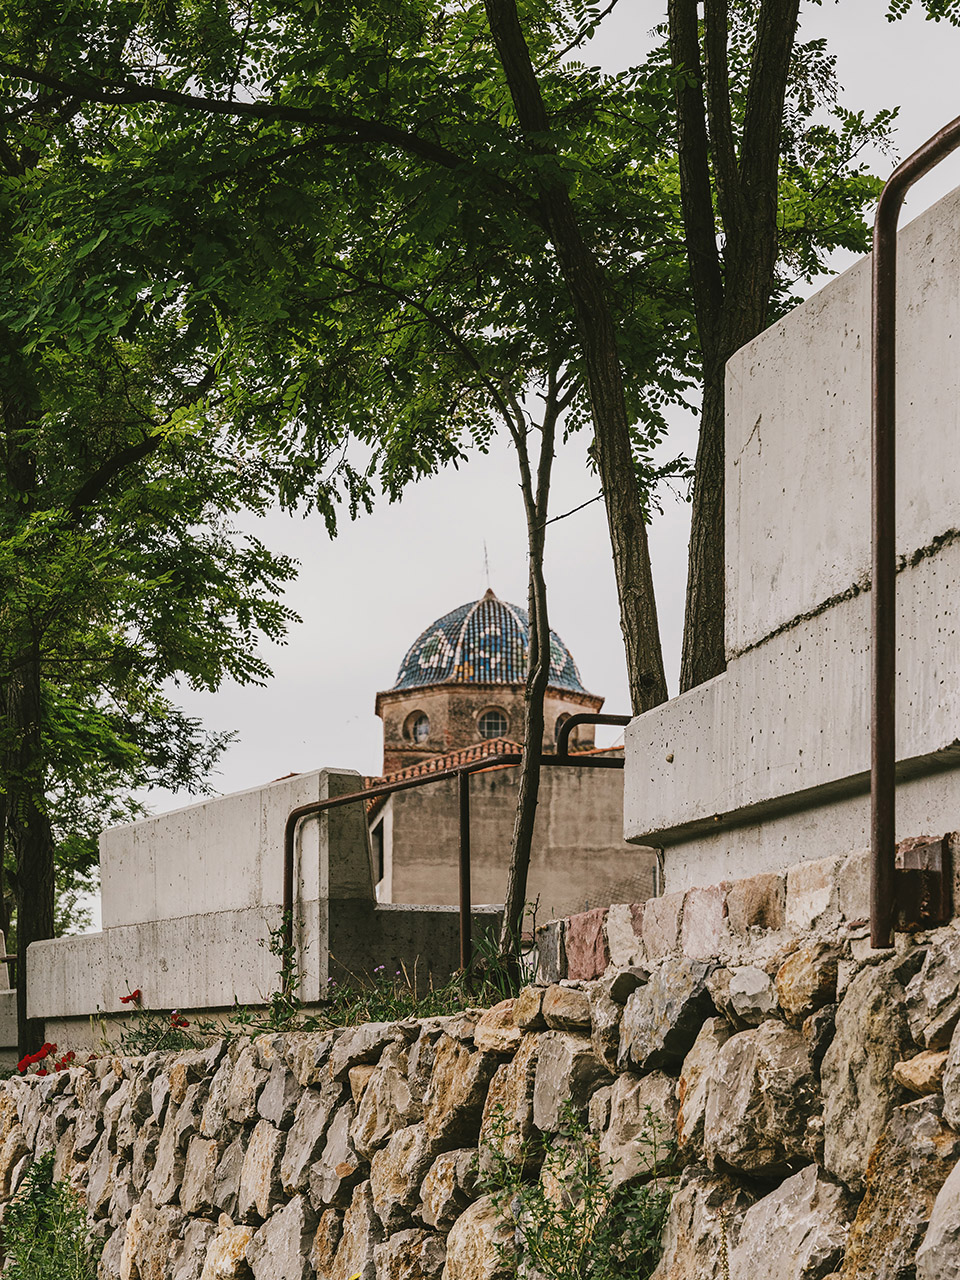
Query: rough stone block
point(859, 1091)
point(477, 1244)
point(797, 1232)
point(807, 980)
point(705, 1207)
point(661, 1019)
point(661, 925)
point(907, 1169)
point(449, 1186)
point(497, 1030)
point(938, 1257)
point(507, 1125)
point(757, 902)
point(566, 1009)
point(567, 1073)
point(227, 1254)
point(411, 1255)
point(361, 1046)
point(528, 1009)
point(701, 930)
point(339, 1168)
point(396, 1173)
point(813, 894)
point(280, 1250)
point(853, 887)
point(196, 1193)
point(586, 944)
point(551, 957)
point(360, 1235)
point(624, 933)
point(694, 1085)
point(933, 995)
point(388, 1104)
point(453, 1104)
point(260, 1188)
point(751, 996)
point(923, 1073)
point(763, 1103)
point(306, 1136)
point(641, 1139)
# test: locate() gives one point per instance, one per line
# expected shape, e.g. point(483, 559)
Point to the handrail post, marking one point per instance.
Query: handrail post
point(883, 755)
point(466, 907)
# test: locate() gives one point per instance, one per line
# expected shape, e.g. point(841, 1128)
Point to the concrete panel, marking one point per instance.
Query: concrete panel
point(215, 961)
point(225, 854)
point(787, 725)
point(798, 435)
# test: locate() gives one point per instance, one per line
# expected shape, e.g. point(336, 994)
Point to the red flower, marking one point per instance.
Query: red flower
point(134, 997)
point(42, 1072)
point(45, 1049)
point(177, 1020)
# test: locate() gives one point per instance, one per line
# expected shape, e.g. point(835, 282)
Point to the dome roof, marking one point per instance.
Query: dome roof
point(484, 642)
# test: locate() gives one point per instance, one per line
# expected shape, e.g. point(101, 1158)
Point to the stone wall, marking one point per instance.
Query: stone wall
point(811, 1087)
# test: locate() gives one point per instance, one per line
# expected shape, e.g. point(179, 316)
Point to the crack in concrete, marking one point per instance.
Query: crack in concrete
point(910, 561)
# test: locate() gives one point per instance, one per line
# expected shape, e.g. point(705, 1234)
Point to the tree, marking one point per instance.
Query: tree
point(220, 136)
point(764, 191)
point(118, 568)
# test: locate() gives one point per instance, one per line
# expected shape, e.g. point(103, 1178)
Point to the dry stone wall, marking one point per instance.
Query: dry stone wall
point(809, 1085)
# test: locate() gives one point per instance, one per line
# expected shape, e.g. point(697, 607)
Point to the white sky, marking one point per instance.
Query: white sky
point(366, 596)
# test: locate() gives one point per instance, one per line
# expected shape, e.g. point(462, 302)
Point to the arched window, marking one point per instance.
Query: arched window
point(417, 726)
point(561, 721)
point(493, 724)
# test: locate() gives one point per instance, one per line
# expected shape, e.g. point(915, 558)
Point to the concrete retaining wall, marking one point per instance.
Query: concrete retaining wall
point(767, 763)
point(190, 899)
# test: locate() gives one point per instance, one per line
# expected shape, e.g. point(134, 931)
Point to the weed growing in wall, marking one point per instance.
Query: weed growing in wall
point(572, 1222)
point(45, 1233)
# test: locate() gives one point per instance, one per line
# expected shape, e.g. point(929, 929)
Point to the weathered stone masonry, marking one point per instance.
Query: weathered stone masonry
point(811, 1085)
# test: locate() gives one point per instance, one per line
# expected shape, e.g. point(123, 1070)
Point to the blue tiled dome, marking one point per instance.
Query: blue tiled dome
point(484, 642)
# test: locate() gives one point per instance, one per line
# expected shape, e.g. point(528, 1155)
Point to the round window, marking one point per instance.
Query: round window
point(417, 727)
point(493, 724)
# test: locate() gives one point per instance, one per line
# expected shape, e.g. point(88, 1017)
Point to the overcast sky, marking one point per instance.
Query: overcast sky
point(366, 596)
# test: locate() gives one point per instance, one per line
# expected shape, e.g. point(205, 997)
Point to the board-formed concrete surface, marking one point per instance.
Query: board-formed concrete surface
point(768, 762)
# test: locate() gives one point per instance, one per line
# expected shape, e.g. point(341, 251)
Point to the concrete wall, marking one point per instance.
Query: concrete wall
point(579, 858)
point(191, 897)
point(767, 763)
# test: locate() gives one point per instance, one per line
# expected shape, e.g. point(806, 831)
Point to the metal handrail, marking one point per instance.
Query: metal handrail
point(883, 761)
point(462, 774)
point(568, 726)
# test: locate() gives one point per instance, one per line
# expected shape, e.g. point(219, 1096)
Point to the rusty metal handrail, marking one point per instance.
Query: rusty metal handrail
point(462, 774)
point(883, 761)
point(568, 726)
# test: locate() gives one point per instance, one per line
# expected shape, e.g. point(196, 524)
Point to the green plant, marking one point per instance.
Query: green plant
point(573, 1222)
point(45, 1234)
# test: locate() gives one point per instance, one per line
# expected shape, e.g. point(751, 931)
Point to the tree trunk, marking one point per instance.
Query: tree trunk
point(538, 676)
point(30, 834)
point(703, 634)
point(730, 303)
point(598, 339)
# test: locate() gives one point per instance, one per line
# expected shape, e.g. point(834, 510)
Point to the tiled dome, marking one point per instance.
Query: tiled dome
point(484, 642)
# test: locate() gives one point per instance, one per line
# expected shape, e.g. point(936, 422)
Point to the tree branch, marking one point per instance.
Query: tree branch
point(693, 153)
point(126, 94)
point(717, 84)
